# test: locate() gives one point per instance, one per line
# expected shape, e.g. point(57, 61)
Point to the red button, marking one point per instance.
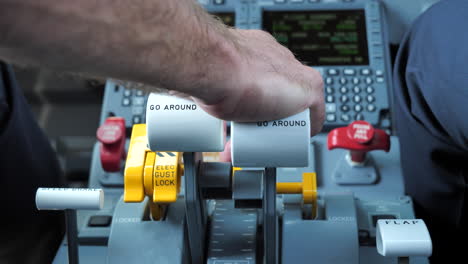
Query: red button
point(109, 133)
point(112, 148)
point(360, 132)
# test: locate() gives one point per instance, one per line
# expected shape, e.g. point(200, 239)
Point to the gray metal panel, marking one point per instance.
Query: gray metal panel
point(369, 255)
point(88, 255)
point(100, 178)
point(330, 241)
point(400, 207)
point(305, 239)
point(389, 186)
point(346, 174)
point(133, 240)
point(97, 235)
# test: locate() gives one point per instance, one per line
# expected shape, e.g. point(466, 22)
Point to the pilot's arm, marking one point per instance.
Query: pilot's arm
point(233, 74)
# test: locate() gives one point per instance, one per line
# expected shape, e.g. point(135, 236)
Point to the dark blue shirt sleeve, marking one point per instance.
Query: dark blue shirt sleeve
point(432, 75)
point(430, 110)
point(27, 162)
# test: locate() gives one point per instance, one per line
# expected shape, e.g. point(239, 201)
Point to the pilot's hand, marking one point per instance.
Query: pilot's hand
point(265, 82)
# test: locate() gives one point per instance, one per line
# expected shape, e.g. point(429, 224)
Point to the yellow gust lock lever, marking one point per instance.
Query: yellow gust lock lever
point(308, 189)
point(155, 174)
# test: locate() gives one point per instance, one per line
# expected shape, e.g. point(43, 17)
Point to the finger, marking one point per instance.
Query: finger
point(180, 95)
point(225, 156)
point(315, 99)
point(317, 117)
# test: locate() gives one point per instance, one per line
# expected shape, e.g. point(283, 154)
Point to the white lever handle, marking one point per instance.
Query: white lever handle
point(403, 238)
point(177, 124)
point(69, 198)
point(279, 143)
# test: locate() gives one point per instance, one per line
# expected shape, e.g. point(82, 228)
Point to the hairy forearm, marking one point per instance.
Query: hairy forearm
point(173, 44)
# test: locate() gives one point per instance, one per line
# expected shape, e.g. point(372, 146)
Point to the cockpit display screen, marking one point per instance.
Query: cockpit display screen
point(320, 38)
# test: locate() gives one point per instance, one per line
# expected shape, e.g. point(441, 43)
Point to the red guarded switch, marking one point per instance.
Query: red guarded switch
point(112, 148)
point(359, 137)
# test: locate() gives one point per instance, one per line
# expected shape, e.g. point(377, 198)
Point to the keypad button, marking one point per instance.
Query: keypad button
point(345, 118)
point(343, 90)
point(332, 72)
point(370, 98)
point(218, 2)
point(344, 108)
point(371, 108)
point(369, 89)
point(138, 101)
point(330, 108)
point(358, 108)
point(359, 117)
point(344, 98)
point(331, 117)
point(349, 72)
point(343, 81)
point(379, 73)
point(355, 80)
point(140, 93)
point(368, 80)
point(357, 99)
point(127, 93)
point(329, 99)
point(329, 90)
point(126, 102)
point(136, 119)
point(365, 71)
point(328, 80)
point(379, 79)
point(357, 89)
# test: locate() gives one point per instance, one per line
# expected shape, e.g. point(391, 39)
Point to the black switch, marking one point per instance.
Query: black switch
point(376, 218)
point(100, 221)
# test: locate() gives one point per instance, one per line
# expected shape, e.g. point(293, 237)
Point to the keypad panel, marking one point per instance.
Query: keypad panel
point(127, 103)
point(350, 94)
